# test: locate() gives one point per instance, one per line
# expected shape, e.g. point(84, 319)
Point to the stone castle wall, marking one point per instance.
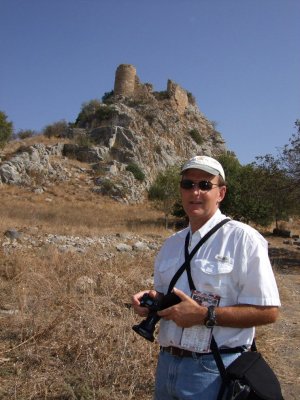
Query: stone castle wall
point(127, 84)
point(178, 95)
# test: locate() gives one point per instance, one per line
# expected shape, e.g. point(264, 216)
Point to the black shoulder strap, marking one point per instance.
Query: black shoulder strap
point(188, 256)
point(218, 359)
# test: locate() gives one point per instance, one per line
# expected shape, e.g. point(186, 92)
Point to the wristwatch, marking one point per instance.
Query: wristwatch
point(210, 320)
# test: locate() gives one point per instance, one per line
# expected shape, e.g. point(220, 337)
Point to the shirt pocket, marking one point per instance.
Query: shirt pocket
point(214, 277)
point(215, 267)
point(166, 270)
point(164, 265)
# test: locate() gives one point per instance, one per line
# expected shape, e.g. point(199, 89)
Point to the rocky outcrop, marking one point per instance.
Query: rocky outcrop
point(32, 165)
point(134, 129)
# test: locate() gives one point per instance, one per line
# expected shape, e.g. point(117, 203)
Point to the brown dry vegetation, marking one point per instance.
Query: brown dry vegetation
point(60, 343)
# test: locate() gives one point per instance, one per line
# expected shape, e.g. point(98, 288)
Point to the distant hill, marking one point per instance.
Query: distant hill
point(126, 138)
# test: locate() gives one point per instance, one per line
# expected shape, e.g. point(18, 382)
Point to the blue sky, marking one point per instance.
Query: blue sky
point(240, 59)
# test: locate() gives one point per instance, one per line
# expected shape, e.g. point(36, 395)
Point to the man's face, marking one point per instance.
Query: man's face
point(200, 205)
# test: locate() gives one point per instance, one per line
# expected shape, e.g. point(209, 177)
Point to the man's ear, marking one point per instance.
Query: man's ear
point(222, 193)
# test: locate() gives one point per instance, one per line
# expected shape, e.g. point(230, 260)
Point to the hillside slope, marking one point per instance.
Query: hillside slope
point(129, 131)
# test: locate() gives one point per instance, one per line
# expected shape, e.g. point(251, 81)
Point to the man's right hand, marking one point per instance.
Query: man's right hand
point(135, 301)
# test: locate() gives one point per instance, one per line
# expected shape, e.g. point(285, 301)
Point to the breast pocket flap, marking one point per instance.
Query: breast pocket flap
point(216, 268)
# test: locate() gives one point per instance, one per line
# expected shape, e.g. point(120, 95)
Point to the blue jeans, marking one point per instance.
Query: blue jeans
point(189, 378)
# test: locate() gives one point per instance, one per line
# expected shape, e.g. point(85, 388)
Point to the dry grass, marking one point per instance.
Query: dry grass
point(63, 343)
point(60, 342)
point(73, 210)
point(15, 145)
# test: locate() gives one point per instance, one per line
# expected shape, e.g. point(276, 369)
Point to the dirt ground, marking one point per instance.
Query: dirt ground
point(280, 342)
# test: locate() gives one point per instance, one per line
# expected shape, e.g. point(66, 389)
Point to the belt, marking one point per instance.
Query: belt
point(176, 351)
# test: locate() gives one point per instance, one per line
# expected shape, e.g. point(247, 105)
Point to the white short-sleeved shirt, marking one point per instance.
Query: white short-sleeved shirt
point(233, 263)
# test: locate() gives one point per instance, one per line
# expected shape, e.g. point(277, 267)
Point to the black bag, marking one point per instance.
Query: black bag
point(248, 377)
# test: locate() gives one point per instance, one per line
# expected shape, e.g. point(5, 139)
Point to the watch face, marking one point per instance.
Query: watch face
point(210, 323)
point(211, 317)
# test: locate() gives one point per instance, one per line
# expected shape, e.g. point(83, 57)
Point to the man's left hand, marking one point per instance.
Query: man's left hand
point(186, 313)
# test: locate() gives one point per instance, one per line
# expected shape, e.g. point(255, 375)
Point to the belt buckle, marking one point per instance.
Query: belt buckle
point(181, 352)
point(178, 352)
point(172, 351)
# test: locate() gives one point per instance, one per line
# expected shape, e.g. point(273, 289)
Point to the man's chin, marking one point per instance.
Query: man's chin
point(195, 211)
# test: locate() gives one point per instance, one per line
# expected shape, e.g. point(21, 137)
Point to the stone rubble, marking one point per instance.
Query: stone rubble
point(13, 240)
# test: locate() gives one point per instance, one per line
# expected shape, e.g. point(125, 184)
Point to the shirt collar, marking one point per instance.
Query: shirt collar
point(214, 220)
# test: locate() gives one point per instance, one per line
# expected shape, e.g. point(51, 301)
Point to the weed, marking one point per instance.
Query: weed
point(196, 136)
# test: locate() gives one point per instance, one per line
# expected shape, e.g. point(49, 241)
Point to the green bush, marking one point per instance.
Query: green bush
point(26, 133)
point(57, 129)
point(104, 113)
point(83, 141)
point(134, 102)
point(157, 149)
point(6, 129)
point(149, 118)
point(107, 186)
point(87, 112)
point(191, 98)
point(217, 137)
point(107, 97)
point(136, 171)
point(165, 190)
point(196, 136)
point(163, 95)
point(92, 113)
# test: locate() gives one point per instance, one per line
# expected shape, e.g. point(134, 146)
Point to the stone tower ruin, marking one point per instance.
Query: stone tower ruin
point(125, 80)
point(127, 84)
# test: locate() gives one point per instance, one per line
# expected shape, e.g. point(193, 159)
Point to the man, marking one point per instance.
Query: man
point(232, 267)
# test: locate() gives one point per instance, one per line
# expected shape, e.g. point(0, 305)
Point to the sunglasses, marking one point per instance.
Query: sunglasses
point(204, 186)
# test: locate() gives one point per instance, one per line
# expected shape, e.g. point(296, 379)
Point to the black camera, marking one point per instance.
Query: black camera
point(147, 327)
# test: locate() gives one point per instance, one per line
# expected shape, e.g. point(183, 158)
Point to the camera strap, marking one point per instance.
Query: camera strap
point(188, 256)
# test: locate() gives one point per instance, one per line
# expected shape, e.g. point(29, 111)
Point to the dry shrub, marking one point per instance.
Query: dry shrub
point(69, 342)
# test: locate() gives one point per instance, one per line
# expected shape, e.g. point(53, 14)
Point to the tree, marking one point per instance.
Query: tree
point(244, 198)
point(291, 154)
point(281, 178)
point(6, 129)
point(254, 204)
point(231, 203)
point(165, 190)
point(278, 188)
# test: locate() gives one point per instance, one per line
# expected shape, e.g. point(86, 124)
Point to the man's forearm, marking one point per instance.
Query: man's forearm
point(245, 316)
point(189, 313)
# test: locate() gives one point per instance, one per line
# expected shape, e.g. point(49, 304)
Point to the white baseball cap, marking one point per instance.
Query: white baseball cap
point(205, 163)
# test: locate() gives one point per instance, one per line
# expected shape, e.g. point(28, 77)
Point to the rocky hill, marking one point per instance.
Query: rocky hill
point(127, 138)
